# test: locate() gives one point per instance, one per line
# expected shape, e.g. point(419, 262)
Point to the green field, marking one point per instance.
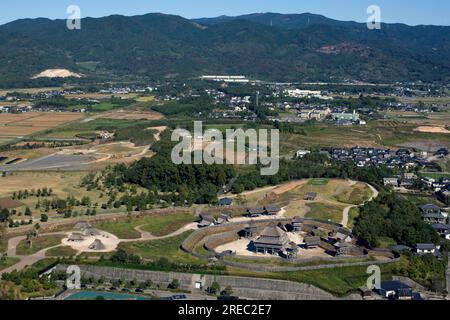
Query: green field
point(319, 182)
point(158, 225)
point(64, 251)
point(38, 244)
point(352, 215)
point(166, 248)
point(325, 211)
point(356, 195)
point(8, 262)
point(164, 225)
point(82, 128)
point(3, 245)
point(434, 175)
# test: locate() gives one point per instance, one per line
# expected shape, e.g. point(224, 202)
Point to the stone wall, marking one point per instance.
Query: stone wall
point(244, 287)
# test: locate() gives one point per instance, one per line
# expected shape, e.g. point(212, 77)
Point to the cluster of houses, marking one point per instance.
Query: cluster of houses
point(362, 157)
point(439, 220)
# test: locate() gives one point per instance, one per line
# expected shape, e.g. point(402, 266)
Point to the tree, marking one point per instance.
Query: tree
point(175, 284)
point(227, 292)
point(214, 288)
point(28, 212)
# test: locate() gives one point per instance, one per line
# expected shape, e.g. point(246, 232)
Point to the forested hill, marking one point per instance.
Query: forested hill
point(268, 47)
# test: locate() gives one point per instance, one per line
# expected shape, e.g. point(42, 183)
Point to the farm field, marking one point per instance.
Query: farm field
point(24, 124)
point(375, 134)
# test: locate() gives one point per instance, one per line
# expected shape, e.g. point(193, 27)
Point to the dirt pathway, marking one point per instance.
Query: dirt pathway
point(345, 213)
point(147, 236)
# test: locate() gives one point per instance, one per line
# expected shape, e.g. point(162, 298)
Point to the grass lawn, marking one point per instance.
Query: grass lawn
point(64, 251)
point(338, 281)
point(158, 225)
point(164, 225)
point(352, 215)
point(434, 175)
point(420, 199)
point(325, 211)
point(319, 182)
point(386, 242)
point(38, 244)
point(8, 262)
point(3, 245)
point(357, 194)
point(168, 248)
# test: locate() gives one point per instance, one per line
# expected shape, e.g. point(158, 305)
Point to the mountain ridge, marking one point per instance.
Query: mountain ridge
point(155, 46)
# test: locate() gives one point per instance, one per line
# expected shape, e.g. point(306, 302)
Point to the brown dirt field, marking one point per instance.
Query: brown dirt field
point(159, 131)
point(19, 131)
point(133, 115)
point(428, 129)
point(9, 203)
point(15, 125)
point(289, 186)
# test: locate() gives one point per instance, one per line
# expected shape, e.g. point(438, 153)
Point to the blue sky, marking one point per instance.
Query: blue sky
point(411, 12)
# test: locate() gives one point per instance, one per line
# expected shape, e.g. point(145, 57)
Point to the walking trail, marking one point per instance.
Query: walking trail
point(345, 215)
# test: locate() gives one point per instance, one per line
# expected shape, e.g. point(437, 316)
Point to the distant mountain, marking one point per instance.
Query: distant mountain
point(285, 21)
point(277, 47)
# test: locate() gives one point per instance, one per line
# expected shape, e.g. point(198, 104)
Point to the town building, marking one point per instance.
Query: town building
point(352, 117)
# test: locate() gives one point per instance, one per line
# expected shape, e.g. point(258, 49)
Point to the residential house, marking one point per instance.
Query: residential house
point(393, 182)
point(395, 289)
point(442, 229)
point(425, 248)
point(302, 153)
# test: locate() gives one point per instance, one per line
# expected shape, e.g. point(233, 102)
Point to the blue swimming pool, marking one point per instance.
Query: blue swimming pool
point(92, 295)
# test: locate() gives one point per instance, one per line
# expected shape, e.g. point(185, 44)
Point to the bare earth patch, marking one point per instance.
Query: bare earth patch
point(57, 73)
point(428, 129)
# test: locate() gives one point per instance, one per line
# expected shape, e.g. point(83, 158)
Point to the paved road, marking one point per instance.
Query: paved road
point(50, 162)
point(25, 261)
